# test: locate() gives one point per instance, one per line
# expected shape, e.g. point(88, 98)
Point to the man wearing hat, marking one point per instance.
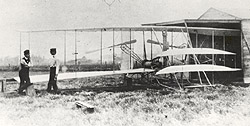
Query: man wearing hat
point(54, 69)
point(24, 72)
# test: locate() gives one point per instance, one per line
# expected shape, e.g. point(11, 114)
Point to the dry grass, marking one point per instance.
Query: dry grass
point(223, 105)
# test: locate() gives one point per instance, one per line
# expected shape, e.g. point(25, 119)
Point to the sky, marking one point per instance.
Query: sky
point(16, 15)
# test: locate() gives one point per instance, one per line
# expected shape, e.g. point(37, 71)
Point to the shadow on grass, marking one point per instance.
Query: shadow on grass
point(239, 84)
point(107, 89)
point(122, 88)
point(11, 94)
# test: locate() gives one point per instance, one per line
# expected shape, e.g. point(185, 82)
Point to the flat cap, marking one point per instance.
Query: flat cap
point(26, 52)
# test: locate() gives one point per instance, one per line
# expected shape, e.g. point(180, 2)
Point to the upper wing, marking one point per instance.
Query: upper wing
point(143, 28)
point(185, 51)
point(72, 75)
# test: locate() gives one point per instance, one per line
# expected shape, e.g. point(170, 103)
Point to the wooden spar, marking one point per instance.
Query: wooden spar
point(156, 37)
point(177, 81)
point(165, 85)
point(224, 48)
point(65, 44)
point(213, 47)
point(199, 86)
point(203, 72)
point(195, 58)
point(141, 28)
point(130, 39)
point(113, 50)
point(165, 47)
point(165, 42)
point(64, 60)
point(151, 45)
point(101, 50)
point(197, 61)
point(121, 47)
point(213, 60)
point(172, 42)
point(75, 50)
point(188, 43)
point(188, 36)
point(144, 46)
point(75, 55)
point(196, 42)
point(192, 21)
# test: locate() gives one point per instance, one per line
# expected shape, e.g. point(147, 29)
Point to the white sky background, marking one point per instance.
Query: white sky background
point(68, 14)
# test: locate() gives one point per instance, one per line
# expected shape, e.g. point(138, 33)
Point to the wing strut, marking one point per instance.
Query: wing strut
point(101, 49)
point(130, 49)
point(144, 47)
point(151, 45)
point(156, 37)
point(195, 58)
point(113, 50)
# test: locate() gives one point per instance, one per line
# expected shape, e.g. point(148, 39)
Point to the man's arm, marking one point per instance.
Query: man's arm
point(25, 64)
point(57, 67)
point(30, 64)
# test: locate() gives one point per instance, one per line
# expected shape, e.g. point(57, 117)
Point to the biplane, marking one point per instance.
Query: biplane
point(158, 68)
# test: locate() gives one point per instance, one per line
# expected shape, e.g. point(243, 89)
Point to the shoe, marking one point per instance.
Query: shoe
point(57, 92)
point(21, 93)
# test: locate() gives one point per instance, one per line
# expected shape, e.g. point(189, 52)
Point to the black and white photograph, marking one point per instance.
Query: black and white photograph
point(124, 62)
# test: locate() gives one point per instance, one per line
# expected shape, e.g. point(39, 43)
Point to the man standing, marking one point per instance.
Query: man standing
point(54, 69)
point(24, 72)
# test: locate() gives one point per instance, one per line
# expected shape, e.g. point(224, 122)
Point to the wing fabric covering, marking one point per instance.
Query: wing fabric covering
point(195, 68)
point(63, 76)
point(185, 51)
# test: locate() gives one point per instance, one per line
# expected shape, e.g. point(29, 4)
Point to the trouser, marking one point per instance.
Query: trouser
point(52, 80)
point(24, 80)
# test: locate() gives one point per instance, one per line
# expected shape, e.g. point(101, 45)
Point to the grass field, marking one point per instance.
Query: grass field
point(222, 105)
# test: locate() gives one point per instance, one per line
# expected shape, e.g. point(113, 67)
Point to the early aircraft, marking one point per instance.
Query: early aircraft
point(152, 65)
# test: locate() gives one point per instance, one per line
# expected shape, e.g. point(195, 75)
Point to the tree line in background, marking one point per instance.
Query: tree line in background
point(41, 64)
point(39, 60)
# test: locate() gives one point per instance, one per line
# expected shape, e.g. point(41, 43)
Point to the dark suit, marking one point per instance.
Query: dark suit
point(24, 75)
point(52, 80)
point(54, 69)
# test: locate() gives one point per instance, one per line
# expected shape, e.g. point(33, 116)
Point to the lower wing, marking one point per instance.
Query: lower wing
point(72, 75)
